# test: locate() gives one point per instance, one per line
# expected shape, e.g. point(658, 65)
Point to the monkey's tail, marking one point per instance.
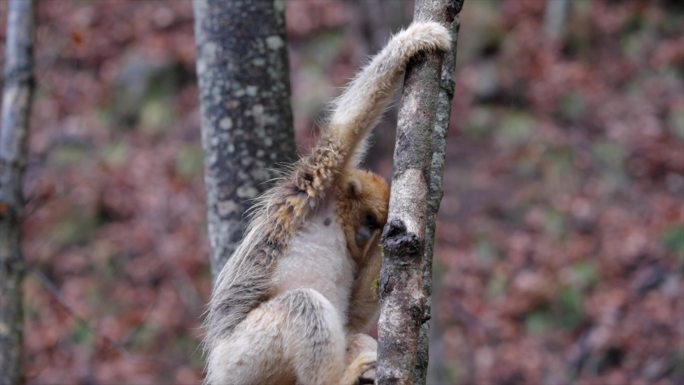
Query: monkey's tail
point(362, 103)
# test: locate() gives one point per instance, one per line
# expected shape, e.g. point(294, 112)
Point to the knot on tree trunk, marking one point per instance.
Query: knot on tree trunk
point(397, 241)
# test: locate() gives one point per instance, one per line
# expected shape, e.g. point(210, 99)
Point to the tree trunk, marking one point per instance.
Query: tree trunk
point(555, 18)
point(415, 197)
point(16, 106)
point(244, 92)
point(436, 191)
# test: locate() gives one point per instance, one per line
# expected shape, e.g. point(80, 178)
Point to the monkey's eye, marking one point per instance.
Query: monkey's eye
point(371, 222)
point(367, 226)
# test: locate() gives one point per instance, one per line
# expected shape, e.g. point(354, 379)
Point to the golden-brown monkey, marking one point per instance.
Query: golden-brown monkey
point(291, 304)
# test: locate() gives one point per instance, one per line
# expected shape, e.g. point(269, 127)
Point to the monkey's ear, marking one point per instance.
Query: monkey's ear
point(354, 188)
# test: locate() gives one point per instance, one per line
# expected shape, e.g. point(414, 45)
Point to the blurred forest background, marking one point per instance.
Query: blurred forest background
point(560, 242)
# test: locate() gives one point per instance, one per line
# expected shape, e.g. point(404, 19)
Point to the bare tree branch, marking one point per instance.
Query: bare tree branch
point(246, 115)
point(16, 107)
point(405, 284)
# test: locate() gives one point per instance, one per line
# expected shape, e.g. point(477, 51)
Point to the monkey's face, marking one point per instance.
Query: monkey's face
point(362, 200)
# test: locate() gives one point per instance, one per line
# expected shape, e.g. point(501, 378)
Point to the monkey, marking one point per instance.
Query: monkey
point(292, 304)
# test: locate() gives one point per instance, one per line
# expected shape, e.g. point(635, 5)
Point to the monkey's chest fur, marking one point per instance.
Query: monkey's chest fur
point(318, 259)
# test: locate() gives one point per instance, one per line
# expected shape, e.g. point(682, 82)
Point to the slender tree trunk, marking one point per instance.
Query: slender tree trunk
point(441, 128)
point(16, 107)
point(244, 92)
point(415, 196)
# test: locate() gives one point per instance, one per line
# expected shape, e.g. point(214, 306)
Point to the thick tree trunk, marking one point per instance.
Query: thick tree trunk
point(247, 129)
point(405, 283)
point(16, 106)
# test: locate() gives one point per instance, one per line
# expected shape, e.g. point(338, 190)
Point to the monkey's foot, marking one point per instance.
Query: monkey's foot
point(362, 357)
point(368, 375)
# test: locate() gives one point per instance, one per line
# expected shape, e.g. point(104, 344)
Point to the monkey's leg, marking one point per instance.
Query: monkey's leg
point(317, 345)
point(314, 340)
point(296, 337)
point(253, 353)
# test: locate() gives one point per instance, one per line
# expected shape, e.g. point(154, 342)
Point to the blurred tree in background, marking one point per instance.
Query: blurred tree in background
point(560, 241)
point(17, 96)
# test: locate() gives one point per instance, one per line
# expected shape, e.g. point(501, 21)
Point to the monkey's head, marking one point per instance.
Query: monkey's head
point(362, 201)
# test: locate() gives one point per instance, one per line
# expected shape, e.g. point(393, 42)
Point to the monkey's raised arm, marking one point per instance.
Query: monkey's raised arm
point(361, 105)
point(355, 112)
point(363, 102)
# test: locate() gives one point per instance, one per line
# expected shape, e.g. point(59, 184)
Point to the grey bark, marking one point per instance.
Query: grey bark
point(244, 92)
point(405, 283)
point(441, 128)
point(16, 106)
